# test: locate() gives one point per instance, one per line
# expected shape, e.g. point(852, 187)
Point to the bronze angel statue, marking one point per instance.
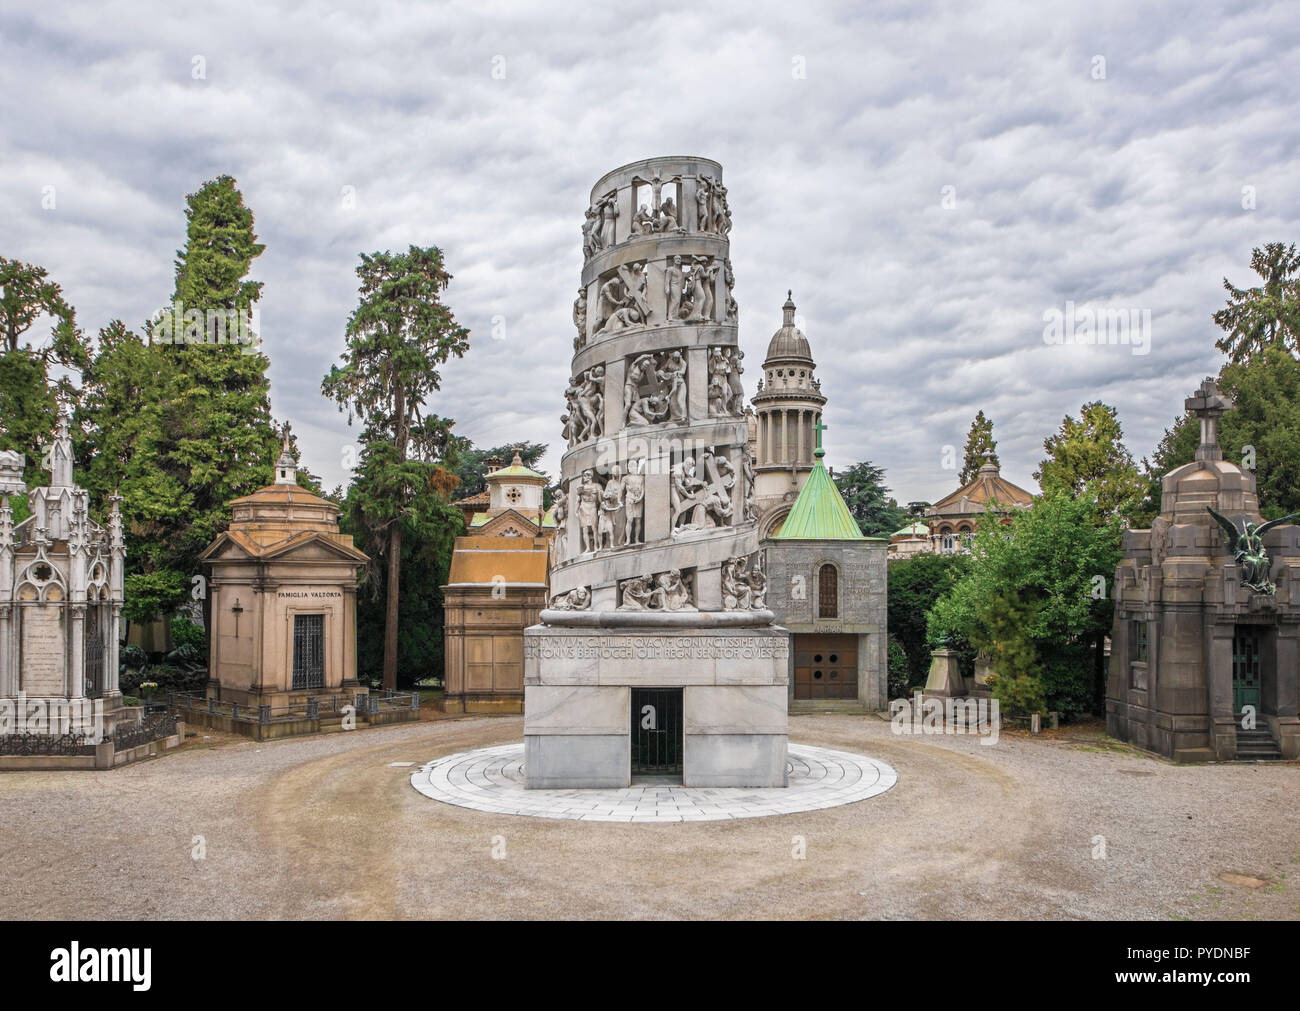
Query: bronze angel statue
point(1246, 542)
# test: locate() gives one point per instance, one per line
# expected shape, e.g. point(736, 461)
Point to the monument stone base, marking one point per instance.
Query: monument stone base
point(579, 682)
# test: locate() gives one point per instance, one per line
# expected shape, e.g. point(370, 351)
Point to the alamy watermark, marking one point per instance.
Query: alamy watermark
point(1097, 327)
point(177, 325)
point(933, 715)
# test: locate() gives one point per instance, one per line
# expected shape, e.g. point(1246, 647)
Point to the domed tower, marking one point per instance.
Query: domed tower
point(656, 581)
point(788, 407)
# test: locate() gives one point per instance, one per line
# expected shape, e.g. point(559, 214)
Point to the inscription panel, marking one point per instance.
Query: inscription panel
point(44, 652)
point(655, 659)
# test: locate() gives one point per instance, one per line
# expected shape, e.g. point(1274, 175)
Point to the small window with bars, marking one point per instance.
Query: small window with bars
point(828, 592)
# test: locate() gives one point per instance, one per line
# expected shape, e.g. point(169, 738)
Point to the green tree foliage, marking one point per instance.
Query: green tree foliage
point(1039, 571)
point(398, 337)
point(981, 448)
point(1177, 447)
point(215, 438)
point(430, 526)
point(28, 408)
point(1088, 457)
point(862, 486)
point(914, 585)
point(900, 671)
point(1266, 316)
point(33, 377)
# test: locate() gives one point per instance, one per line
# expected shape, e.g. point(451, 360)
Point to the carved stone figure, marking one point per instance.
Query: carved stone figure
point(703, 216)
point(611, 501)
point(666, 217)
point(577, 599)
point(634, 503)
point(673, 372)
point(684, 491)
point(732, 314)
point(647, 411)
point(588, 510)
point(643, 222)
point(587, 403)
point(751, 506)
point(580, 319)
point(561, 515)
point(736, 594)
point(1246, 542)
point(674, 285)
point(621, 302)
point(671, 593)
point(758, 584)
point(737, 403)
point(697, 299)
point(721, 212)
point(634, 594)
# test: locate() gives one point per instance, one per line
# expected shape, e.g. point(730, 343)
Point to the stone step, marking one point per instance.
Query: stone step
point(811, 707)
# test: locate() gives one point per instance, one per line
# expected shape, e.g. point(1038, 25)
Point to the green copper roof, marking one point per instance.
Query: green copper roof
point(819, 513)
point(517, 471)
point(912, 528)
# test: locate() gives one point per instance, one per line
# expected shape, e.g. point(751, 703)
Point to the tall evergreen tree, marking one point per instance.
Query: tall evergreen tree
point(1266, 316)
point(35, 376)
point(397, 338)
point(981, 448)
point(1088, 455)
point(862, 486)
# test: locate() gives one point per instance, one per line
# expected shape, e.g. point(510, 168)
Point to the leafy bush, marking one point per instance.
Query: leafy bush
point(186, 633)
point(134, 658)
point(1022, 695)
point(130, 700)
point(900, 673)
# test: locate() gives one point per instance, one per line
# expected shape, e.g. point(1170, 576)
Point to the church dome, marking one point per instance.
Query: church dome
point(789, 341)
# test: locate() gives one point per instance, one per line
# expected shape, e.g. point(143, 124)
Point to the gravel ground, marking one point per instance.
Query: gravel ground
point(323, 828)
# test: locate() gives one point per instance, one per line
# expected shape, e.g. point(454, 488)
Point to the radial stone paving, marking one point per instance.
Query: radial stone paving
point(492, 779)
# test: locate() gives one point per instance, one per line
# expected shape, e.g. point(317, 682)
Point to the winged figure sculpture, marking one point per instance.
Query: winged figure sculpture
point(1246, 542)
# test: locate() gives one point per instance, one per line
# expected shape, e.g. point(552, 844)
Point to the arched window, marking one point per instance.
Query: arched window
point(828, 591)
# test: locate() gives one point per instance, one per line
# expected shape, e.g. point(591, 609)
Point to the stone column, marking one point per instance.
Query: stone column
point(113, 679)
point(6, 636)
point(75, 664)
point(785, 436)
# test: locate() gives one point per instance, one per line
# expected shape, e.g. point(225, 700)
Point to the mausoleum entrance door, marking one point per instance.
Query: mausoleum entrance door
point(825, 666)
point(308, 651)
point(1246, 667)
point(657, 731)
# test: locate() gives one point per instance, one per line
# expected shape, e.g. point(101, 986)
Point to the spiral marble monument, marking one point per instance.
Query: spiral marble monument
point(657, 652)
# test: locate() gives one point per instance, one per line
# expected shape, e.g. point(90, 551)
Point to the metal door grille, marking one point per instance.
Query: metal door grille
point(93, 670)
point(657, 730)
point(308, 651)
point(1245, 669)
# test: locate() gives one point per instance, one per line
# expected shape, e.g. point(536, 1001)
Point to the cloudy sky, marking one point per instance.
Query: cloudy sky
point(930, 179)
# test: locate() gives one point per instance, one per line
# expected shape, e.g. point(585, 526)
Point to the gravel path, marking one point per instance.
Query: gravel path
point(324, 827)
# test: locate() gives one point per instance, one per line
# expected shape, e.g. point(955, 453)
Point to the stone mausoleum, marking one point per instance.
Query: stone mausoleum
point(657, 654)
point(1206, 643)
point(496, 588)
point(283, 592)
point(829, 587)
point(61, 597)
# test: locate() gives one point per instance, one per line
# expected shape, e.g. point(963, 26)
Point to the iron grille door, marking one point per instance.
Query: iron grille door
point(93, 669)
point(308, 651)
point(1245, 669)
point(657, 730)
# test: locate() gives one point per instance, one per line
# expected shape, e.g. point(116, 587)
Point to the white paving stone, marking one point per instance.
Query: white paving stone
point(492, 780)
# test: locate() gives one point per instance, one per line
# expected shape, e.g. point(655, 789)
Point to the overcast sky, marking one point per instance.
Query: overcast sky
point(930, 179)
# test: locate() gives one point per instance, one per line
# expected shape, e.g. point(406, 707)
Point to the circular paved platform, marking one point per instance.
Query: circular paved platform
point(492, 779)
